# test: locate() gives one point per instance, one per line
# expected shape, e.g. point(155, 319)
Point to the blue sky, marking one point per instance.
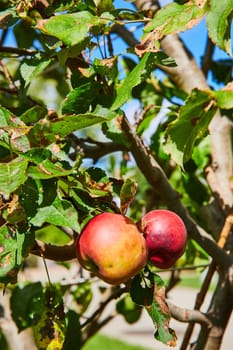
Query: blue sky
point(195, 38)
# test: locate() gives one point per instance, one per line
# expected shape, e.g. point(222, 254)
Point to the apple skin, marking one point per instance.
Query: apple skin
point(165, 235)
point(111, 247)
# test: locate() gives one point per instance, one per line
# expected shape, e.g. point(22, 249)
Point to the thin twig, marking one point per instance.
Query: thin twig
point(54, 252)
point(114, 293)
point(18, 51)
point(8, 77)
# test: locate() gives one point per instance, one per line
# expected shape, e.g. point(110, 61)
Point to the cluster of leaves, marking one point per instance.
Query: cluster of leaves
point(44, 183)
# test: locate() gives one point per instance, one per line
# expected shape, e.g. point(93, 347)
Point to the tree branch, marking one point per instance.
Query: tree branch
point(93, 149)
point(54, 252)
point(92, 324)
point(225, 233)
point(18, 51)
point(157, 178)
point(207, 57)
point(188, 315)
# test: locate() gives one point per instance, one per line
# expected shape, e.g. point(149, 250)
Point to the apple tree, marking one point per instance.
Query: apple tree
point(104, 108)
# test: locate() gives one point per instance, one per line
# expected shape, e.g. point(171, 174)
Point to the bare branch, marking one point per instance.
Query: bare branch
point(226, 230)
point(93, 323)
point(94, 149)
point(54, 252)
point(125, 34)
point(188, 315)
point(18, 51)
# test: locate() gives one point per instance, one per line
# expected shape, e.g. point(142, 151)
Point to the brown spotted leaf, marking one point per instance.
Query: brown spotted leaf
point(160, 314)
point(171, 19)
point(127, 194)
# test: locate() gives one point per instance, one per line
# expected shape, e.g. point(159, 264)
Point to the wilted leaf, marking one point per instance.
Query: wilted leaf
point(191, 124)
point(13, 246)
point(175, 17)
point(106, 67)
point(127, 194)
point(14, 212)
point(160, 314)
point(219, 23)
point(13, 132)
point(12, 175)
point(148, 290)
point(7, 18)
point(49, 329)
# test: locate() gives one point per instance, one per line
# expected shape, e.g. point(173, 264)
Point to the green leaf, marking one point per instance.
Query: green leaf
point(52, 235)
point(12, 175)
point(70, 28)
point(46, 132)
point(191, 125)
point(142, 289)
point(72, 339)
point(79, 100)
point(127, 194)
point(219, 23)
point(26, 312)
point(5, 116)
point(82, 296)
point(113, 131)
point(14, 245)
point(128, 309)
point(140, 73)
point(31, 68)
point(37, 155)
point(73, 28)
point(175, 17)
point(48, 170)
point(224, 99)
point(60, 213)
point(33, 114)
point(68, 124)
point(29, 197)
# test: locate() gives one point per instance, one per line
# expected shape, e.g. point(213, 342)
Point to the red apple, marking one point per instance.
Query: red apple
point(165, 235)
point(111, 247)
